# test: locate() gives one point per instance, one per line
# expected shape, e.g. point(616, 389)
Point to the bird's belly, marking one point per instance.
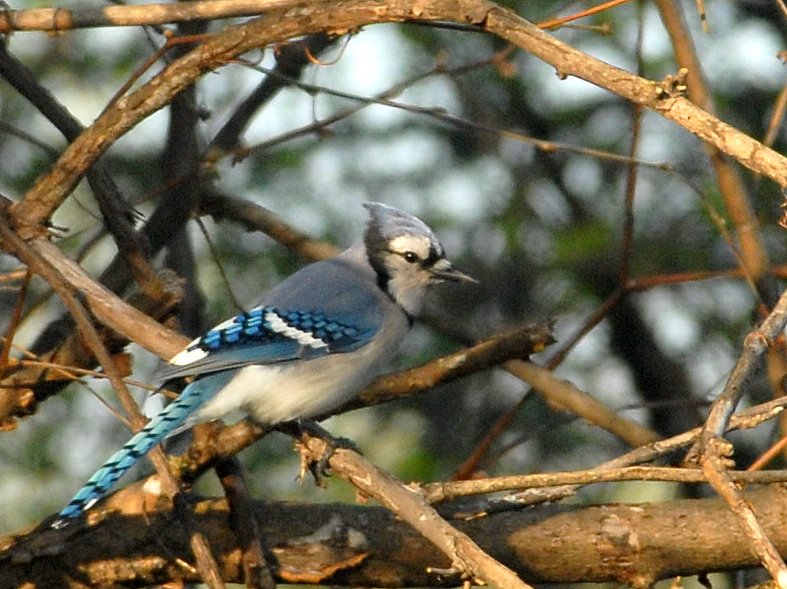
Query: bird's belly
point(275, 393)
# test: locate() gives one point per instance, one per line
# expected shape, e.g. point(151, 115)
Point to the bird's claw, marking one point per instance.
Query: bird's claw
point(317, 462)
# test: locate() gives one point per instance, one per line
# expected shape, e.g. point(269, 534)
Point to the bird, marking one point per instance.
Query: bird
point(310, 345)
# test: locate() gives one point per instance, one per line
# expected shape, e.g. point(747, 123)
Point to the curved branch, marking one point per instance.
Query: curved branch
point(338, 16)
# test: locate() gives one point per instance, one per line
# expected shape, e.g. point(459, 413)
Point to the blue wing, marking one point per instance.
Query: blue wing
point(324, 308)
point(268, 335)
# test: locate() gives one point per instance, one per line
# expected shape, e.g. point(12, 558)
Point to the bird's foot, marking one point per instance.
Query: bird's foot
point(316, 460)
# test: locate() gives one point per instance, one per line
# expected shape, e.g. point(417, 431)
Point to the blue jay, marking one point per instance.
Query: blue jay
point(318, 338)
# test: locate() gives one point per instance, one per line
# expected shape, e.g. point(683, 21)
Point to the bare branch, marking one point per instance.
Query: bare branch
point(110, 309)
point(566, 396)
point(63, 19)
point(571, 62)
point(468, 560)
point(255, 217)
point(278, 25)
point(748, 418)
point(754, 258)
point(369, 547)
point(451, 490)
point(714, 450)
point(755, 345)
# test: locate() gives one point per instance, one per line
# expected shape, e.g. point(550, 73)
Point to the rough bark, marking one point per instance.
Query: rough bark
point(354, 545)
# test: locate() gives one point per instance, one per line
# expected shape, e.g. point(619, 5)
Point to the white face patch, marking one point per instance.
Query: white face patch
point(408, 278)
point(304, 338)
point(418, 244)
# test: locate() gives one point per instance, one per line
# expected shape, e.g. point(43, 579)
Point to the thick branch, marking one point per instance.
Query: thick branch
point(342, 15)
point(63, 19)
point(110, 309)
point(367, 546)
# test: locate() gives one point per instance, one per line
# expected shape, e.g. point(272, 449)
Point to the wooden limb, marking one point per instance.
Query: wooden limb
point(565, 396)
point(487, 353)
point(109, 309)
point(467, 560)
point(279, 25)
point(715, 452)
point(170, 486)
point(368, 546)
point(255, 217)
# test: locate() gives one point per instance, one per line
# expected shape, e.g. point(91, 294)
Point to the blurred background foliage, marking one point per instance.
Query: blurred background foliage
point(542, 230)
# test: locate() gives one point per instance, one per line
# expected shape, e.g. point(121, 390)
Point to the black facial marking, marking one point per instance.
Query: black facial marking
point(435, 255)
point(376, 249)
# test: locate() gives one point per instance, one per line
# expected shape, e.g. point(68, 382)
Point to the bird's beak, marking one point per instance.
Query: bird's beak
point(443, 270)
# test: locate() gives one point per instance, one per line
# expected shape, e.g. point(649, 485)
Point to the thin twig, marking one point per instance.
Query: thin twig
point(563, 20)
point(632, 171)
point(746, 419)
point(755, 345)
point(449, 491)
point(386, 98)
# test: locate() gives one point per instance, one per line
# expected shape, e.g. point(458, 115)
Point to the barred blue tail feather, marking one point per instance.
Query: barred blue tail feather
point(166, 422)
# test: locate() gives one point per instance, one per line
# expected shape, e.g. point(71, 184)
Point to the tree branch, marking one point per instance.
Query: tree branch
point(349, 545)
point(468, 561)
point(714, 450)
point(282, 24)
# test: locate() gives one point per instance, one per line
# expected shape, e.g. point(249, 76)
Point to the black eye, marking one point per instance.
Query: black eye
point(411, 257)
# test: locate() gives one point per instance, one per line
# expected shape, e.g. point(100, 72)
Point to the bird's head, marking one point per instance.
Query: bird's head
point(406, 255)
